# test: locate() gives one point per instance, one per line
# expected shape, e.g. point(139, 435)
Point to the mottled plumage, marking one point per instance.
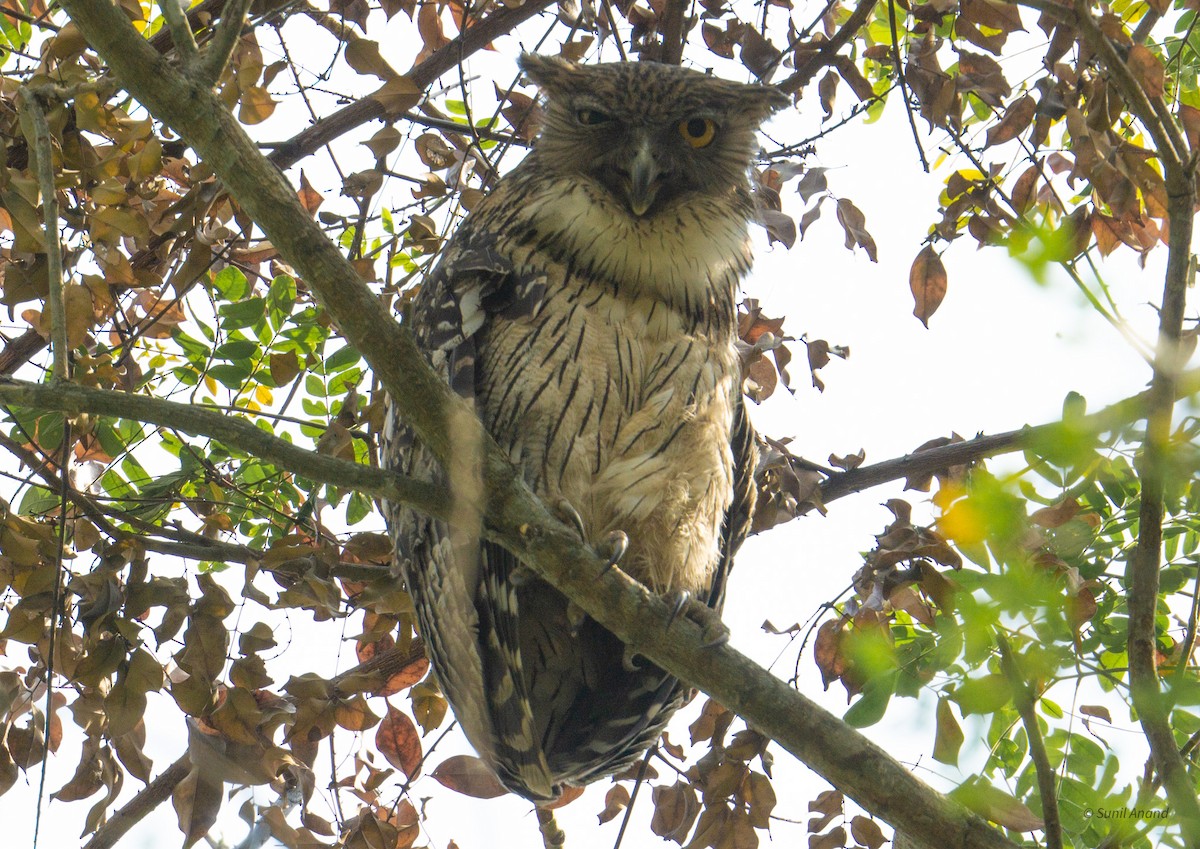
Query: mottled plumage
point(587, 308)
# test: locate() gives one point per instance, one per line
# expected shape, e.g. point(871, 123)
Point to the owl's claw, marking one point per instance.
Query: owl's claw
point(678, 600)
point(569, 514)
point(613, 549)
point(712, 630)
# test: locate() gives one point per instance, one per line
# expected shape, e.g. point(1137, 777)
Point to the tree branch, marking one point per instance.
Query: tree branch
point(43, 151)
point(180, 29)
point(190, 418)
point(673, 31)
point(20, 350)
point(149, 798)
point(924, 463)
point(1154, 463)
point(422, 75)
point(225, 38)
point(1024, 700)
point(805, 72)
point(515, 519)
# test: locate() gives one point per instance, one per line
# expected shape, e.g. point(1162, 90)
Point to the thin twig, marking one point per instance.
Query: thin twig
point(1189, 638)
point(612, 25)
point(908, 109)
point(924, 463)
point(422, 75)
point(1023, 698)
point(43, 150)
point(17, 15)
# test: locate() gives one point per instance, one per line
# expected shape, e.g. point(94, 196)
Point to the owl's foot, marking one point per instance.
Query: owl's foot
point(712, 630)
point(613, 549)
point(567, 512)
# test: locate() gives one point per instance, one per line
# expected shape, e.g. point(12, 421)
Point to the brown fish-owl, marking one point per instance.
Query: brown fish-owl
point(587, 309)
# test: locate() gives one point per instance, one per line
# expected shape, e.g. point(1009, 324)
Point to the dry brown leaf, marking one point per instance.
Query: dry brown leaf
point(398, 741)
point(928, 282)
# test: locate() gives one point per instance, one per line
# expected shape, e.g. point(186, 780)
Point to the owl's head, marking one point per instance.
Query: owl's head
point(652, 135)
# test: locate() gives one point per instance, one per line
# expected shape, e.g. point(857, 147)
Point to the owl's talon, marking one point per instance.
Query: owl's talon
point(678, 600)
point(613, 549)
point(713, 631)
point(714, 634)
point(568, 513)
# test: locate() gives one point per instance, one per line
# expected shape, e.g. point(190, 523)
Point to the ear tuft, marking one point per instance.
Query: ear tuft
point(549, 73)
point(763, 100)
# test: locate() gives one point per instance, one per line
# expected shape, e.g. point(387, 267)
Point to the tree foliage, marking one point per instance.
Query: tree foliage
point(204, 351)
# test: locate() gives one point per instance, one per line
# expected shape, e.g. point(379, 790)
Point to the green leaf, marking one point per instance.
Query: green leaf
point(236, 349)
point(358, 508)
point(231, 284)
point(983, 695)
point(873, 702)
point(243, 314)
point(281, 298)
point(342, 359)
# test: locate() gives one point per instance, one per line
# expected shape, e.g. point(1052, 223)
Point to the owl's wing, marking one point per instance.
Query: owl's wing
point(461, 586)
point(736, 526)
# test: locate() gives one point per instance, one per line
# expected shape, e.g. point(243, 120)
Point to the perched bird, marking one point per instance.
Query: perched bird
point(586, 307)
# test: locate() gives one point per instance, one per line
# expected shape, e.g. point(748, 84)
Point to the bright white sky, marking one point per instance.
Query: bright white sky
point(1002, 352)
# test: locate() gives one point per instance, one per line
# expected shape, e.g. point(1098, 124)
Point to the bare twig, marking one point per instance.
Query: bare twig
point(927, 462)
point(908, 109)
point(43, 150)
point(1023, 698)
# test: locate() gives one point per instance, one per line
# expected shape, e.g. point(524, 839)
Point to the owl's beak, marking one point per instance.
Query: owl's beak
point(643, 181)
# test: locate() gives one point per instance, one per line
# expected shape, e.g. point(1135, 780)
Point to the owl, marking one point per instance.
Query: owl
point(586, 308)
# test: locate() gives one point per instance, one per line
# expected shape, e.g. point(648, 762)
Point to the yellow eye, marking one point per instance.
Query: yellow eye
point(591, 117)
point(698, 132)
